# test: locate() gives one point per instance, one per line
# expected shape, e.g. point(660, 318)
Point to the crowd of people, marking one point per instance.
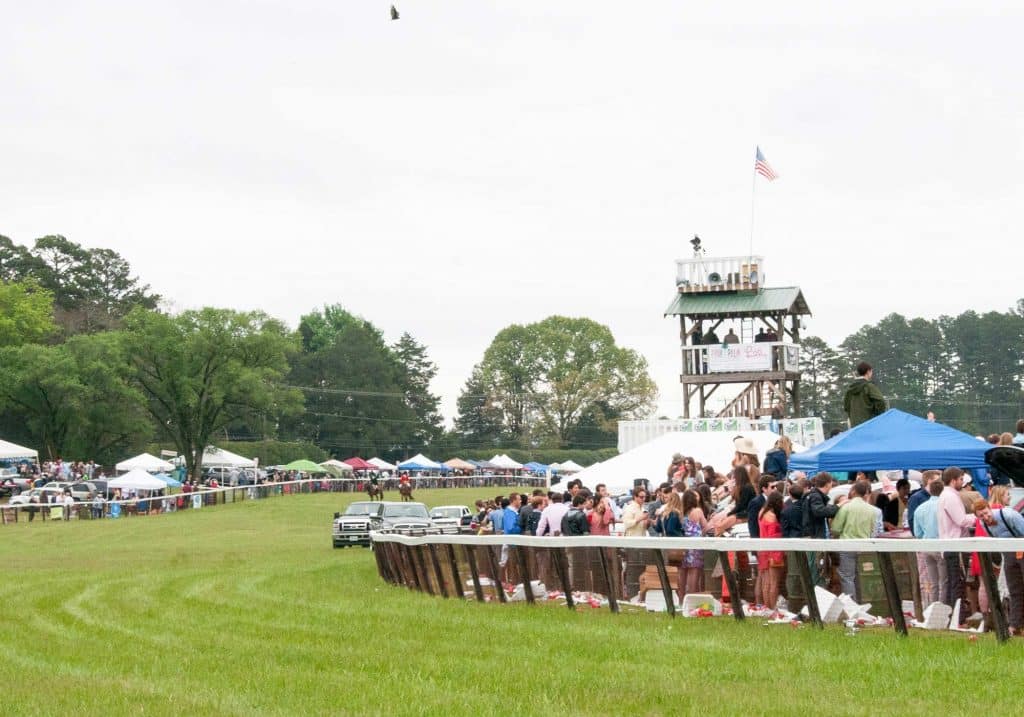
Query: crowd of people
point(60, 490)
point(770, 501)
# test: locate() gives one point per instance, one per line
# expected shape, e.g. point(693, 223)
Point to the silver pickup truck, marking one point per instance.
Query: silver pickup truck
point(354, 525)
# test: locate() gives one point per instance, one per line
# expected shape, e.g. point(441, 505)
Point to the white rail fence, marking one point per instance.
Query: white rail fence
point(437, 564)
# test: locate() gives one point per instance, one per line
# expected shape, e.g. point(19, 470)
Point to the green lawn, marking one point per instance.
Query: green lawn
point(247, 609)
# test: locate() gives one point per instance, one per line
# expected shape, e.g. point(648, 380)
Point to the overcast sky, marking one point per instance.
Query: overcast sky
point(478, 163)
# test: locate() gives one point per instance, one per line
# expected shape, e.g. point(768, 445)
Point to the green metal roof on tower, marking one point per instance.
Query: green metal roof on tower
point(739, 304)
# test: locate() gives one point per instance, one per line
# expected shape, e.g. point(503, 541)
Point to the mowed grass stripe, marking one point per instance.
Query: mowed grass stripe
point(247, 609)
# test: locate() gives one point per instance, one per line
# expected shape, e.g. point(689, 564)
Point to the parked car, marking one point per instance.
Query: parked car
point(25, 482)
point(60, 487)
point(85, 489)
point(354, 525)
point(227, 476)
point(452, 515)
point(100, 486)
point(44, 493)
point(410, 519)
point(11, 475)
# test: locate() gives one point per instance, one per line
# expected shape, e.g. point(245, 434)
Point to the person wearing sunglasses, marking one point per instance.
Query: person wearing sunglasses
point(635, 521)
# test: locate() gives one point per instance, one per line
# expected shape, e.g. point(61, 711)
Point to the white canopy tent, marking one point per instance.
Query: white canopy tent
point(506, 463)
point(383, 464)
point(145, 462)
point(568, 467)
point(340, 465)
point(650, 460)
point(14, 452)
point(137, 479)
point(214, 457)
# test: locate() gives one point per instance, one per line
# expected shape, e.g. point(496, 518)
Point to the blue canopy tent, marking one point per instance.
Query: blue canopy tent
point(422, 463)
point(171, 482)
point(535, 467)
point(893, 441)
point(414, 466)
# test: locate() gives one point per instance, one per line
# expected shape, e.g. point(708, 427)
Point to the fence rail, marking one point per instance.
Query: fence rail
point(437, 564)
point(85, 510)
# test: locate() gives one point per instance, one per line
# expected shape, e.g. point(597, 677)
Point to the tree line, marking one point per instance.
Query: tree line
point(968, 369)
point(92, 367)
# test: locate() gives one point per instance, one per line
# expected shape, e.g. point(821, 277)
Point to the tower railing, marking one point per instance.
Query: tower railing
point(701, 273)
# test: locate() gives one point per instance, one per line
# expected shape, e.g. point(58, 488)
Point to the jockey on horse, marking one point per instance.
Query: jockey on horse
point(405, 487)
point(373, 489)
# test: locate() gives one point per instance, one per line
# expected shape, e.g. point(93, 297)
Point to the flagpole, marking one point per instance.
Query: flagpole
point(753, 191)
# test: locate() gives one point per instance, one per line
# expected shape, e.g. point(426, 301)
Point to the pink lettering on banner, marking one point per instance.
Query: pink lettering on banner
point(741, 357)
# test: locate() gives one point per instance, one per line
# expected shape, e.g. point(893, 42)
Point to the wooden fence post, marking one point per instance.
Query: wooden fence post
point(892, 593)
point(421, 559)
point(988, 574)
point(735, 597)
point(453, 565)
point(613, 603)
point(495, 574)
point(474, 572)
point(563, 575)
point(804, 570)
point(437, 570)
point(524, 568)
point(410, 557)
point(666, 585)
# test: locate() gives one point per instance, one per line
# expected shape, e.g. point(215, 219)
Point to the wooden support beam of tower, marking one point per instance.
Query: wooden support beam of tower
point(710, 295)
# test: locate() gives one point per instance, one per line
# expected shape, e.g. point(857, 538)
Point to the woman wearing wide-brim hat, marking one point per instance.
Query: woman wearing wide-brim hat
point(746, 452)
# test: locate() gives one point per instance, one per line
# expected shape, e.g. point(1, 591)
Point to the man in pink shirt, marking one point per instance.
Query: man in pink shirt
point(954, 522)
point(551, 517)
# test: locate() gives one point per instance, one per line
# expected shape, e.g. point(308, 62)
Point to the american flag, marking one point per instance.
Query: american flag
point(762, 167)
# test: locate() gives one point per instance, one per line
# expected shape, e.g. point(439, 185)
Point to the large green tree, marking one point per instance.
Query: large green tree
point(984, 381)
point(966, 368)
point(511, 374)
point(547, 377)
point(821, 385)
point(202, 370)
point(585, 372)
point(92, 289)
point(418, 372)
point(15, 260)
point(26, 312)
point(357, 388)
point(479, 421)
point(73, 399)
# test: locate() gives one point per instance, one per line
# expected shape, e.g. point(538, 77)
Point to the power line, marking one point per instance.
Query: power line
point(362, 392)
point(366, 418)
point(345, 391)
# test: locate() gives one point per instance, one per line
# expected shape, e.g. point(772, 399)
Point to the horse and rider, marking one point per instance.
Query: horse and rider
point(405, 487)
point(374, 490)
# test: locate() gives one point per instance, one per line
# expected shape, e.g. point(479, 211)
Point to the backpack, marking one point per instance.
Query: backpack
point(532, 521)
point(808, 518)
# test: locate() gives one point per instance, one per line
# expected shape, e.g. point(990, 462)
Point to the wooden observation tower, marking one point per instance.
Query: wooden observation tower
point(734, 330)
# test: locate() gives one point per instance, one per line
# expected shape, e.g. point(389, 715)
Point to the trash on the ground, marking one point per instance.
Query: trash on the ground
point(701, 605)
point(539, 590)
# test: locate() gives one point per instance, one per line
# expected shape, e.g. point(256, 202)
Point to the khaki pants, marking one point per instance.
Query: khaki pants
point(933, 577)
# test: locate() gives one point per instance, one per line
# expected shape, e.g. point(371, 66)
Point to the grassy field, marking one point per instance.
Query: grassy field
point(247, 609)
